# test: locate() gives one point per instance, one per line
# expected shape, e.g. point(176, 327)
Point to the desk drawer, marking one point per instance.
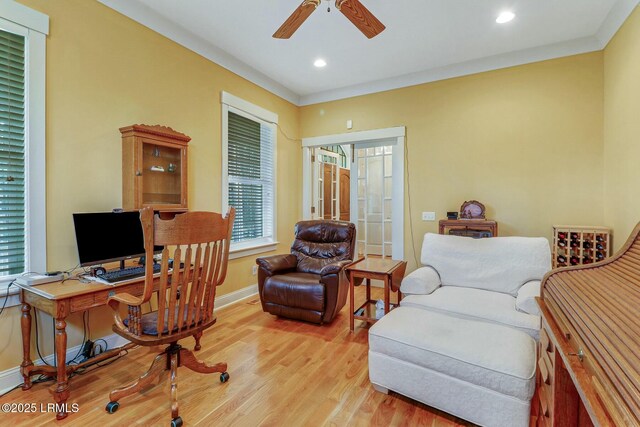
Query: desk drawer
point(82, 302)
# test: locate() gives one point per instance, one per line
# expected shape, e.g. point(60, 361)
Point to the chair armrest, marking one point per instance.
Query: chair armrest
point(526, 298)
point(334, 267)
point(422, 281)
point(114, 302)
point(277, 263)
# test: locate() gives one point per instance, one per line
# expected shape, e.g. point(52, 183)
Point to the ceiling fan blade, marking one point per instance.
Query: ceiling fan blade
point(296, 19)
point(360, 17)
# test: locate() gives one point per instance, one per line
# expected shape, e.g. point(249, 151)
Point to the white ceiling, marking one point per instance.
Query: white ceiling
point(425, 40)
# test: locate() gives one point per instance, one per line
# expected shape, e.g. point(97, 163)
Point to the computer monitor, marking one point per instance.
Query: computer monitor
point(108, 236)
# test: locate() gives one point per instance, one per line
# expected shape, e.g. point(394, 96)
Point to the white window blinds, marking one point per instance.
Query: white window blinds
point(250, 177)
point(12, 154)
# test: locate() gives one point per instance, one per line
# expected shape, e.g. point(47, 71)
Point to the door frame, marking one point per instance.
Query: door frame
point(389, 136)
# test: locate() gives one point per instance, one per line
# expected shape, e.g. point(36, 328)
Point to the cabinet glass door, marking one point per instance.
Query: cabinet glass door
point(161, 174)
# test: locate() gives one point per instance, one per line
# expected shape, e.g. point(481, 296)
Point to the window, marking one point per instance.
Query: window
point(22, 176)
point(248, 174)
point(12, 158)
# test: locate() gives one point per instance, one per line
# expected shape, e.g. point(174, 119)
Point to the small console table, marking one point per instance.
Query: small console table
point(469, 225)
point(389, 271)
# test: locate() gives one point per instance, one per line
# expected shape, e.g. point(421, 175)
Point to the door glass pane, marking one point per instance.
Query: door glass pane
point(388, 166)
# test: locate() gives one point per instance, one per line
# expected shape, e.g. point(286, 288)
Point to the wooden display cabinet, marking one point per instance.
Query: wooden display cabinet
point(154, 168)
point(579, 245)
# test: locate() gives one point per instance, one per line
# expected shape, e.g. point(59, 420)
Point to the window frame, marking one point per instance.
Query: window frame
point(34, 26)
point(231, 103)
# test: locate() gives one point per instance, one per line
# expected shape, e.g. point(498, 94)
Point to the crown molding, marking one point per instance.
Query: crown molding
point(150, 19)
point(612, 23)
point(154, 21)
point(511, 59)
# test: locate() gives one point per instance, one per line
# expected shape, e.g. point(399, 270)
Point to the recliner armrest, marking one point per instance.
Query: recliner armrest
point(277, 263)
point(422, 281)
point(334, 267)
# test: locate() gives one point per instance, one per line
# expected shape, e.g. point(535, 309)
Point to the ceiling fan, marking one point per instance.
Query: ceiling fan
point(352, 9)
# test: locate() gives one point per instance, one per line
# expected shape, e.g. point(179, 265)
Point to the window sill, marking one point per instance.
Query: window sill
point(255, 249)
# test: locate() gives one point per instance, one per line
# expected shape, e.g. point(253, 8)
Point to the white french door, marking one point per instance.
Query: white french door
point(372, 199)
point(376, 187)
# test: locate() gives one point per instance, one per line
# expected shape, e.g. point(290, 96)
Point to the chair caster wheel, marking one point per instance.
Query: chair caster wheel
point(224, 377)
point(112, 407)
point(176, 422)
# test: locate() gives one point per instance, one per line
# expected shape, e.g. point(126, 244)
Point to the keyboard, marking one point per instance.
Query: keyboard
point(126, 274)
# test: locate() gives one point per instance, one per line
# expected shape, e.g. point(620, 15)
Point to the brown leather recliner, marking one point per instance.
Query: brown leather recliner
point(309, 283)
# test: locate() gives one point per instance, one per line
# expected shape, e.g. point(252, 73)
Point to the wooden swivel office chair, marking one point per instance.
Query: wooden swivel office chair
point(186, 296)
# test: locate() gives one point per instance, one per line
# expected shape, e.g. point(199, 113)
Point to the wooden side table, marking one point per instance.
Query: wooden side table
point(486, 225)
point(389, 271)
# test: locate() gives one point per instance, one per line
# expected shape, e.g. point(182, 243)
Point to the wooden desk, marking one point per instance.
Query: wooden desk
point(389, 271)
point(468, 224)
point(60, 300)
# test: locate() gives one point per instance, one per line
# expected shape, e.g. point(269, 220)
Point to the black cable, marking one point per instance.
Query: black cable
point(35, 318)
point(84, 338)
point(6, 297)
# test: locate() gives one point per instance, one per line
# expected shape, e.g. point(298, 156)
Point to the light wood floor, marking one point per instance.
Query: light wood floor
point(283, 373)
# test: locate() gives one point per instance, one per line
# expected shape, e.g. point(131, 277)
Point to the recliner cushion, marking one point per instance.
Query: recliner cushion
point(322, 242)
point(299, 290)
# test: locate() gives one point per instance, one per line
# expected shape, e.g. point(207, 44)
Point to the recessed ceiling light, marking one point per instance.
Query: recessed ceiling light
point(320, 63)
point(505, 17)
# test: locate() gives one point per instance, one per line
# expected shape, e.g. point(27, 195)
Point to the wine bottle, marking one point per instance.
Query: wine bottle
point(586, 244)
point(562, 243)
point(574, 260)
point(599, 238)
point(587, 259)
point(562, 235)
point(599, 256)
point(575, 236)
point(575, 243)
point(599, 246)
point(561, 259)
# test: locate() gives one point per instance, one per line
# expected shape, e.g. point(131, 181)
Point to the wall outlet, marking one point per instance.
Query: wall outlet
point(428, 216)
point(349, 124)
point(254, 270)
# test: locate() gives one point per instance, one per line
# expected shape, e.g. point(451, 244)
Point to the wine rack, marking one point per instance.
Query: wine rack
point(580, 245)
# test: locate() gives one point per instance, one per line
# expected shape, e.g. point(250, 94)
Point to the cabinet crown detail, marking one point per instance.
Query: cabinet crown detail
point(157, 130)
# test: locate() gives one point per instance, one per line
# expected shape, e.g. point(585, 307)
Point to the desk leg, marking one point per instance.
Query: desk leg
point(368, 289)
point(60, 391)
point(351, 302)
point(386, 294)
point(27, 364)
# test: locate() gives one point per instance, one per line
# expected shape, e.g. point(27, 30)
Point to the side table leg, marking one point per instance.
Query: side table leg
point(351, 302)
point(368, 286)
point(60, 391)
point(27, 364)
point(386, 294)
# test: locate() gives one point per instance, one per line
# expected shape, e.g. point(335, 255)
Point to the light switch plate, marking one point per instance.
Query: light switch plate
point(428, 216)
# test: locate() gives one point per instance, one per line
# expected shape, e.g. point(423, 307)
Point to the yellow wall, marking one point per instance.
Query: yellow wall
point(622, 129)
point(105, 71)
point(525, 141)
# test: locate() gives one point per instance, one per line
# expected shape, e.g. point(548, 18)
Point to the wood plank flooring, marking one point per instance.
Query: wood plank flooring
point(283, 373)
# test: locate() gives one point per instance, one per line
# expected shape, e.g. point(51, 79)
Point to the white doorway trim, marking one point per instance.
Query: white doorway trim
point(389, 136)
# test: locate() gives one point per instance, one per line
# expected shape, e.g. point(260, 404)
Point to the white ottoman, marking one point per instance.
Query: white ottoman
point(478, 371)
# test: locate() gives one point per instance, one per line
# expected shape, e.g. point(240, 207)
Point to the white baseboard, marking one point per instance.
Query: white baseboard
point(235, 296)
point(11, 377)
